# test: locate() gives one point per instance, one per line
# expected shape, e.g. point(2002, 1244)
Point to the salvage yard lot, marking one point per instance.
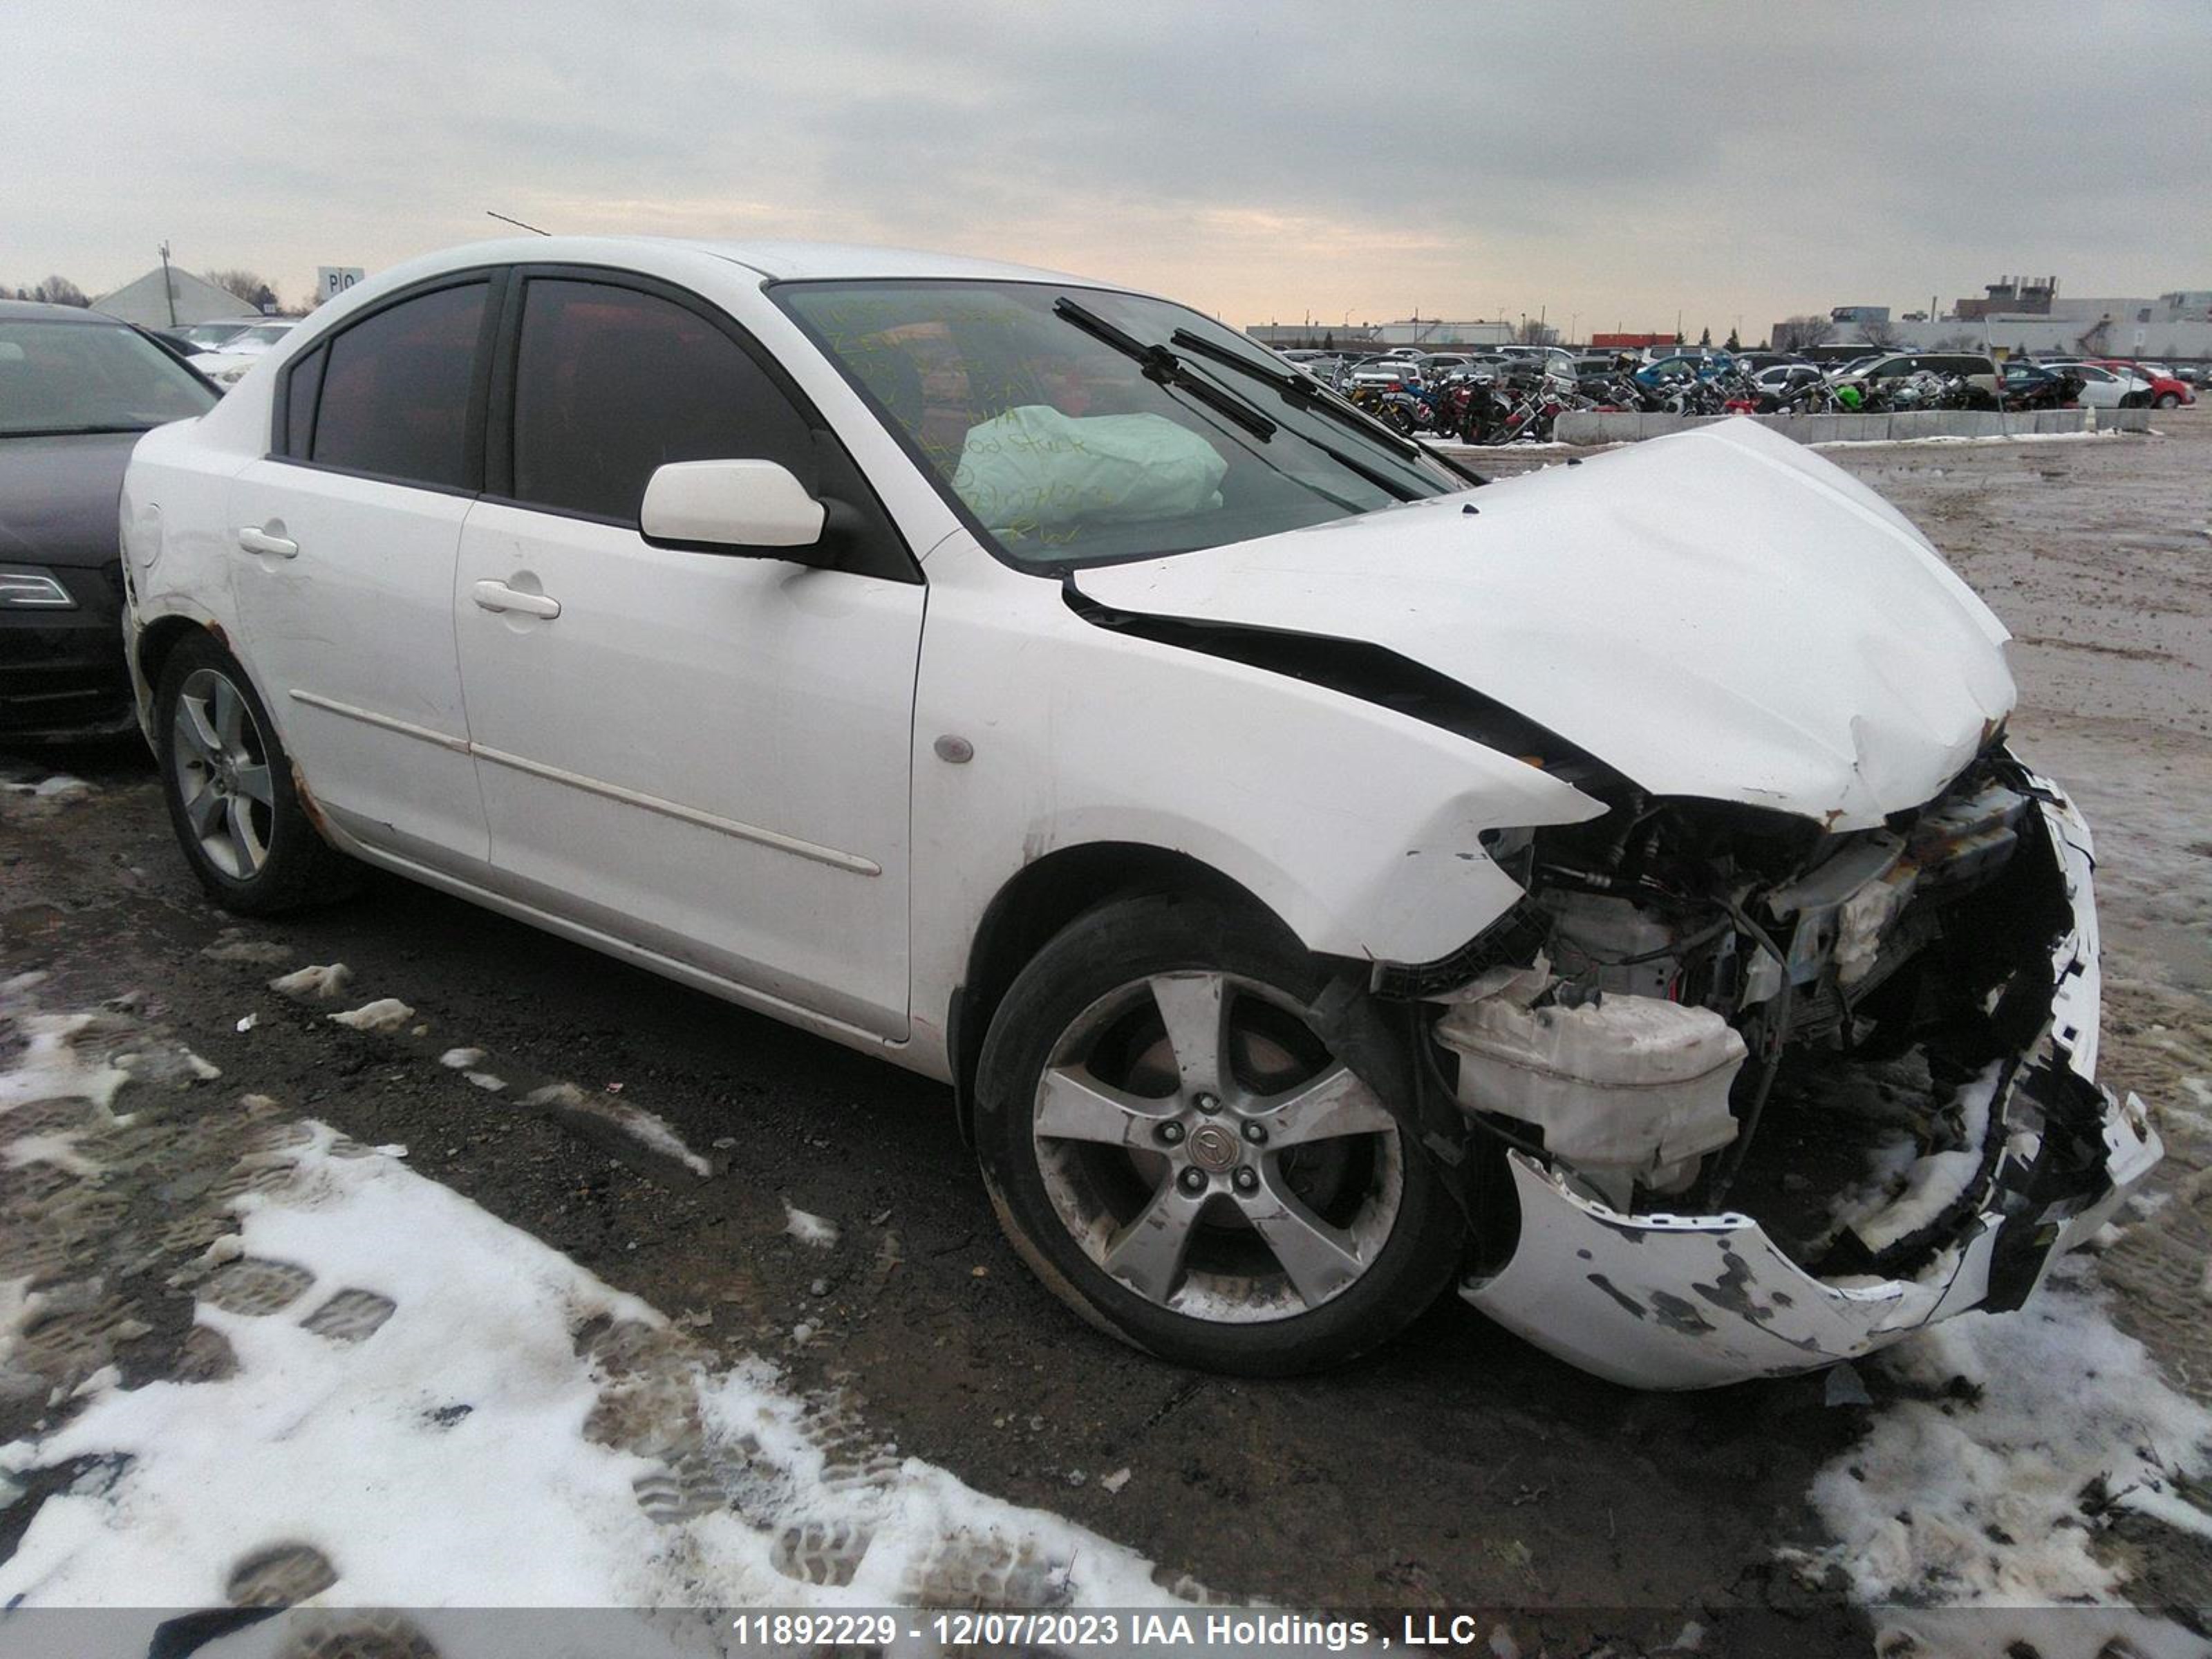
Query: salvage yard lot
point(1455, 1468)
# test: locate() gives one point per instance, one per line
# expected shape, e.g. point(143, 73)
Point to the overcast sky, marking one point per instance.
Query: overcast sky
point(1609, 163)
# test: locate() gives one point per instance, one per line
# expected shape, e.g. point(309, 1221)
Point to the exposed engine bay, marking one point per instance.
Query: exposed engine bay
point(1860, 1053)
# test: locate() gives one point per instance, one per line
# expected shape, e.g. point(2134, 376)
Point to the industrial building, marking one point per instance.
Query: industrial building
point(1430, 333)
point(2031, 315)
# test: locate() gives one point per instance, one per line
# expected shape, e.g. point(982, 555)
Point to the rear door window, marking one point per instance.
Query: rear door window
point(396, 392)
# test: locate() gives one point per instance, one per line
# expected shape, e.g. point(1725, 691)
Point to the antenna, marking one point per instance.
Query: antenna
point(503, 219)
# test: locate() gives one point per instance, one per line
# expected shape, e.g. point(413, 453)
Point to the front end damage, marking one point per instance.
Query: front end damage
point(1758, 1097)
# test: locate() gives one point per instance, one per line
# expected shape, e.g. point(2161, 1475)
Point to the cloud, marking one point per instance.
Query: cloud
point(1729, 160)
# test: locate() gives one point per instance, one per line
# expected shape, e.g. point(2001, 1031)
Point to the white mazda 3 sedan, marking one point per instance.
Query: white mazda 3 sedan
point(1321, 880)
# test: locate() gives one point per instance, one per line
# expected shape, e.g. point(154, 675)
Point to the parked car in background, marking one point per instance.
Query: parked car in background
point(2036, 386)
point(1692, 365)
point(2165, 390)
point(1316, 897)
point(211, 336)
point(2101, 387)
point(77, 389)
point(1776, 378)
point(1984, 386)
point(238, 353)
point(1385, 375)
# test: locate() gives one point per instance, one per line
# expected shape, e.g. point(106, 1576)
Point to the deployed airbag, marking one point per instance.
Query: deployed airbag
point(1034, 469)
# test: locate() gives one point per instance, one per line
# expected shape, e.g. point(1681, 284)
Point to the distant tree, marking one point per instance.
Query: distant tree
point(1880, 333)
point(1704, 339)
point(248, 285)
point(1734, 344)
point(1328, 341)
point(1679, 341)
point(1799, 332)
point(56, 291)
point(1532, 332)
point(1958, 342)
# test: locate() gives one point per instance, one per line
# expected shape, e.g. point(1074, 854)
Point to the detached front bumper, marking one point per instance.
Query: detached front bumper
point(1690, 1301)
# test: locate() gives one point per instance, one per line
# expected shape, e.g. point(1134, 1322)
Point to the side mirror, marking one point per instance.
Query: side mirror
point(729, 506)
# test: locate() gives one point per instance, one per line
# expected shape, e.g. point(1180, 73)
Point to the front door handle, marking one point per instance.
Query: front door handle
point(260, 541)
point(498, 596)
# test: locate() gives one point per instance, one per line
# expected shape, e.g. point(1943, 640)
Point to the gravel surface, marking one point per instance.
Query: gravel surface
point(1458, 1468)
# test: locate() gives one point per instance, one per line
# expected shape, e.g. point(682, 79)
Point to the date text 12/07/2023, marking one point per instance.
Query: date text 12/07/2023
point(1141, 1631)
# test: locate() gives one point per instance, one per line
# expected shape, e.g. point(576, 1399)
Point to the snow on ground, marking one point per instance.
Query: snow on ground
point(325, 980)
point(634, 1121)
point(384, 1014)
point(1969, 1513)
point(47, 788)
point(1993, 437)
point(818, 1230)
point(403, 1401)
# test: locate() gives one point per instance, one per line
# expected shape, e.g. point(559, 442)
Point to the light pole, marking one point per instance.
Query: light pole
point(168, 287)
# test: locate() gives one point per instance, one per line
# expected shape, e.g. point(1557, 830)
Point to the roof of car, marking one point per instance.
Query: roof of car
point(34, 310)
point(776, 260)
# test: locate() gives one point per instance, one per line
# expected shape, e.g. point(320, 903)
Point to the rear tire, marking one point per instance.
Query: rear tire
point(2168, 400)
point(230, 791)
point(1182, 1157)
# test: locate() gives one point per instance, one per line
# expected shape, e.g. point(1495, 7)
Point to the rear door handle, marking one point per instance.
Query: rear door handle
point(498, 596)
point(260, 541)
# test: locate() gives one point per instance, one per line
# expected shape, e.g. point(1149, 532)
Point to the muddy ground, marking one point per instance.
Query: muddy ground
point(1458, 1468)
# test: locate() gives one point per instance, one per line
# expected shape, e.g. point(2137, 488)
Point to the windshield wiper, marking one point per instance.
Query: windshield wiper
point(1163, 367)
point(1333, 405)
point(1316, 395)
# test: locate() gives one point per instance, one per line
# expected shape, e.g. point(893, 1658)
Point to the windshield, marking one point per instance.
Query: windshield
point(1079, 426)
point(91, 377)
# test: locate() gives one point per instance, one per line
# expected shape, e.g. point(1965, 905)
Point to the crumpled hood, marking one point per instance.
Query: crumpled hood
point(1720, 613)
point(59, 496)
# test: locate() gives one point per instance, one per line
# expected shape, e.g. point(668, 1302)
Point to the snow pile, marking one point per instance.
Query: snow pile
point(325, 980)
point(1983, 1484)
point(430, 1409)
point(819, 1231)
point(384, 1014)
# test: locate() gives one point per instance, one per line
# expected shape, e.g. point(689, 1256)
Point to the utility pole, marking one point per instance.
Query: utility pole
point(168, 287)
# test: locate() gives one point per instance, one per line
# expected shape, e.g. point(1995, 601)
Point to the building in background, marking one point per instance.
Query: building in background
point(2024, 316)
point(1431, 333)
point(2007, 297)
point(190, 299)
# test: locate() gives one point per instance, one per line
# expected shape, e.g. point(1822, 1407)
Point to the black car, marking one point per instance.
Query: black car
point(77, 388)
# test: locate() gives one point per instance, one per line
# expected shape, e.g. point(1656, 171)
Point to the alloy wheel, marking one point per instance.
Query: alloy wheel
point(219, 766)
point(1205, 1150)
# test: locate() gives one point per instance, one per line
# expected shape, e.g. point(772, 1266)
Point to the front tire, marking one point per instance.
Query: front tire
point(230, 791)
point(1176, 1148)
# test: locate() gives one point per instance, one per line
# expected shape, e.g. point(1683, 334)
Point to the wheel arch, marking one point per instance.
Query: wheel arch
point(161, 637)
point(1041, 899)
